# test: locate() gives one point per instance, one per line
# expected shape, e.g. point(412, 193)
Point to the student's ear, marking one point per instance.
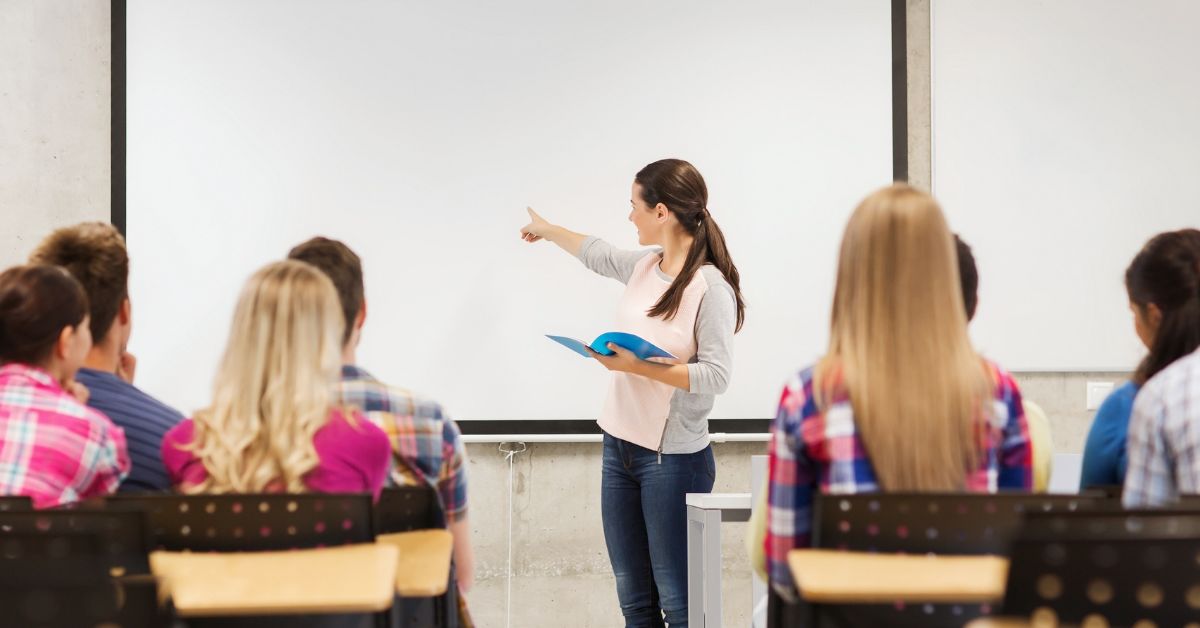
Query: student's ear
point(361, 319)
point(62, 348)
point(661, 213)
point(1154, 315)
point(125, 312)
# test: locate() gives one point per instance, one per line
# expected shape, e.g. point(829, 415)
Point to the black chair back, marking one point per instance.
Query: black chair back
point(254, 522)
point(106, 541)
point(1114, 568)
point(918, 523)
point(108, 603)
point(934, 523)
point(408, 508)
point(15, 502)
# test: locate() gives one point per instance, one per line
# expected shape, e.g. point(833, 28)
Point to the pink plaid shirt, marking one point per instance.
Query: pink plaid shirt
point(53, 448)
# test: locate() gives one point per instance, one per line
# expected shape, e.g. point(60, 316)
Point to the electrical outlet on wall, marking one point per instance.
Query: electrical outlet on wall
point(1097, 392)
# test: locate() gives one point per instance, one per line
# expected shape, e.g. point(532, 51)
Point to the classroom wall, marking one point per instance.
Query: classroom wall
point(54, 170)
point(54, 118)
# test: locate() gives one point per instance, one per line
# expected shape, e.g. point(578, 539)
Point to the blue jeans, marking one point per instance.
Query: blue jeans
point(645, 527)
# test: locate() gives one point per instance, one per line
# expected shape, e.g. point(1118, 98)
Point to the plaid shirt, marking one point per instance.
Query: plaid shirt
point(814, 450)
point(1164, 436)
point(53, 448)
point(427, 447)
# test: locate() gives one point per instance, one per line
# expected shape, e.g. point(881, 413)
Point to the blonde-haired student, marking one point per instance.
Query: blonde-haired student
point(900, 401)
point(274, 424)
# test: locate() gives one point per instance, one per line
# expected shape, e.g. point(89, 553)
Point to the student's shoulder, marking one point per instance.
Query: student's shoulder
point(797, 400)
point(1177, 385)
point(1004, 385)
point(372, 395)
point(1118, 405)
point(118, 398)
point(349, 430)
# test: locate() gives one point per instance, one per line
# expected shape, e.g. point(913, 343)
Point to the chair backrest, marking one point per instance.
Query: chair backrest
point(10, 503)
point(106, 541)
point(407, 508)
point(1123, 568)
point(254, 522)
point(109, 604)
point(933, 523)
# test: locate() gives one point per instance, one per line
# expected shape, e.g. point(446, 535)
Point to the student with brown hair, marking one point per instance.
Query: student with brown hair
point(900, 401)
point(683, 296)
point(94, 253)
point(427, 447)
point(53, 448)
point(1163, 286)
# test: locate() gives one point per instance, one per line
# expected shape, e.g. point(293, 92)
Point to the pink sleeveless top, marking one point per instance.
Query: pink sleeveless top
point(636, 408)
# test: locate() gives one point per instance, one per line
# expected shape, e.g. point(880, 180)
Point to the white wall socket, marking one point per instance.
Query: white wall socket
point(1097, 392)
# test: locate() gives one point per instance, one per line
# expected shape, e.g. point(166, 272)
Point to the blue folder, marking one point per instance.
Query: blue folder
point(640, 347)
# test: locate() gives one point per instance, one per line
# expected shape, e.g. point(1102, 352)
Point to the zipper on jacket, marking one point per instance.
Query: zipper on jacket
point(662, 439)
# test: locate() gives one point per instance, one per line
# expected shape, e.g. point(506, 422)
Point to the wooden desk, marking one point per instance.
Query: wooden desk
point(423, 567)
point(839, 577)
point(999, 622)
point(347, 579)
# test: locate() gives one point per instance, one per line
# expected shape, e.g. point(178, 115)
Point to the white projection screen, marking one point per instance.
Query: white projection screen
point(1065, 135)
point(418, 132)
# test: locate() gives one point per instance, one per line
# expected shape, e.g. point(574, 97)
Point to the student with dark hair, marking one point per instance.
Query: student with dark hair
point(1041, 442)
point(53, 448)
point(684, 297)
point(94, 253)
point(1163, 283)
point(427, 447)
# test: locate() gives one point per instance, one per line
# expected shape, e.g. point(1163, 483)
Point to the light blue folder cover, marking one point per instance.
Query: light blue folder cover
point(640, 347)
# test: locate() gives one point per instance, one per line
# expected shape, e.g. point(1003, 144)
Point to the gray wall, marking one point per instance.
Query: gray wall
point(54, 118)
point(54, 170)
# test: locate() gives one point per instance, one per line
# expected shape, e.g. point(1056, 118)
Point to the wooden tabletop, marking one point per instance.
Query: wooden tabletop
point(347, 579)
point(827, 576)
point(423, 567)
point(999, 622)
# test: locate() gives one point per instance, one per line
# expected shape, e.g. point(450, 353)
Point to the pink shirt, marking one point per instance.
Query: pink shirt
point(53, 448)
point(354, 457)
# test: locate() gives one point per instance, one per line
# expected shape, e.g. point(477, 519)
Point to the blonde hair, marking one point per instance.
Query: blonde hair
point(275, 385)
point(899, 345)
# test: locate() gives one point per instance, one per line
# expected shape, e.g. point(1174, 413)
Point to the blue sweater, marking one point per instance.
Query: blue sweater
point(145, 421)
point(1104, 455)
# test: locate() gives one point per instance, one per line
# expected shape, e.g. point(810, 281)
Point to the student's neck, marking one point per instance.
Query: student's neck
point(349, 356)
point(105, 357)
point(674, 254)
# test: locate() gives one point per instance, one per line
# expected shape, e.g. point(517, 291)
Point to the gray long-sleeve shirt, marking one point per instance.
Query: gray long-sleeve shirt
point(711, 368)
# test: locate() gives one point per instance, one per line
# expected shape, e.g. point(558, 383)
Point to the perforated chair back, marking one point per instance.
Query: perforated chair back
point(1129, 568)
point(408, 508)
point(924, 523)
point(255, 522)
point(933, 523)
point(80, 541)
point(15, 502)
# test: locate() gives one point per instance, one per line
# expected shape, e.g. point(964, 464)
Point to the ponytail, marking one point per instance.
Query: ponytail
point(678, 185)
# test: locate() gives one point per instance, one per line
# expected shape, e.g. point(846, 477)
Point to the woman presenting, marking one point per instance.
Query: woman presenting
point(683, 296)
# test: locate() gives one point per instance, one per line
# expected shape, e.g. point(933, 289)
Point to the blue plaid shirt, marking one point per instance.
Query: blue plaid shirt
point(427, 446)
